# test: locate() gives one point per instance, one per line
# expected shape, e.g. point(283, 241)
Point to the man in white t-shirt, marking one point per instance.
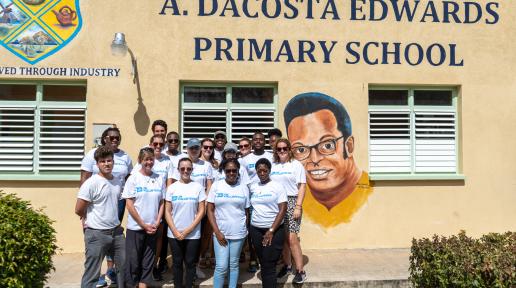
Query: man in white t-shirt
point(220, 141)
point(259, 152)
point(97, 203)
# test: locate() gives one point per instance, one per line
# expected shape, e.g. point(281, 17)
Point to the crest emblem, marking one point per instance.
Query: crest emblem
point(36, 29)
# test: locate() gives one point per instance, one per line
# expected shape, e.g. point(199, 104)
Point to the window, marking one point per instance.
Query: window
point(238, 109)
point(42, 127)
point(413, 132)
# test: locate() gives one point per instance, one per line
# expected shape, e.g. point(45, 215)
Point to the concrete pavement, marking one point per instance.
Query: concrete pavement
point(325, 268)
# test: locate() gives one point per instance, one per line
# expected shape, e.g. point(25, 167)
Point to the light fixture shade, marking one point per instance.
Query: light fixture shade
point(119, 46)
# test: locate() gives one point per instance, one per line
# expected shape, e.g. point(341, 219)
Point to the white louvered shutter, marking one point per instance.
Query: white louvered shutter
point(389, 140)
point(435, 142)
point(17, 139)
point(246, 122)
point(201, 124)
point(61, 143)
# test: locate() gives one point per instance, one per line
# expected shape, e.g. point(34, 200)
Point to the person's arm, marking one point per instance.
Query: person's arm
point(198, 217)
point(267, 238)
point(160, 213)
point(149, 229)
point(209, 182)
point(211, 217)
point(301, 188)
point(80, 207)
point(170, 221)
point(85, 175)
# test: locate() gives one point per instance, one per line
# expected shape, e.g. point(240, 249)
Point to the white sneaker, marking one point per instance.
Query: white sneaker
point(199, 273)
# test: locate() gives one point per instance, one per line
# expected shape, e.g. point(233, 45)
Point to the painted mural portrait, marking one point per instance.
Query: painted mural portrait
point(319, 128)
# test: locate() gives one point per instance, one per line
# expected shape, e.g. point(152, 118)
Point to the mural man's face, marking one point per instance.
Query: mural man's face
point(326, 173)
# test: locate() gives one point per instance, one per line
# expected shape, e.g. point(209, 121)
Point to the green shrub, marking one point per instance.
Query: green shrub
point(461, 261)
point(27, 243)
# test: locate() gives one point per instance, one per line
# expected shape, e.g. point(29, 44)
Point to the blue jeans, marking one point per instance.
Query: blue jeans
point(225, 257)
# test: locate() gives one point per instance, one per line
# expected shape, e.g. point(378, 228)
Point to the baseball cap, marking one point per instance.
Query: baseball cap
point(193, 142)
point(219, 132)
point(230, 147)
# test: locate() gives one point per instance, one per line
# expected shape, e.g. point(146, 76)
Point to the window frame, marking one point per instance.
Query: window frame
point(39, 104)
point(411, 108)
point(229, 105)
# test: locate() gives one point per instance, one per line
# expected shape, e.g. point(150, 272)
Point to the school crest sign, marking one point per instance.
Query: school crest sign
point(36, 29)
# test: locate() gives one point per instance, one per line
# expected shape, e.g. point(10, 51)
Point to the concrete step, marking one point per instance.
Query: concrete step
point(325, 268)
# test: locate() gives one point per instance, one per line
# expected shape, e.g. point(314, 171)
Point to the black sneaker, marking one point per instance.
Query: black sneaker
point(300, 277)
point(156, 276)
point(284, 271)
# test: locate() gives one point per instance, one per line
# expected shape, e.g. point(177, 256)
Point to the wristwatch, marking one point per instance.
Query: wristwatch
point(271, 230)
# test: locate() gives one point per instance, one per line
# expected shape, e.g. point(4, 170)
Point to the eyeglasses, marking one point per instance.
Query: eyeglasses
point(113, 138)
point(231, 171)
point(207, 147)
point(325, 147)
point(173, 141)
point(282, 149)
point(243, 146)
point(155, 144)
point(187, 169)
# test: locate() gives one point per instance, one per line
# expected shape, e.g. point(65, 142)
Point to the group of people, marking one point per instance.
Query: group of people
point(217, 196)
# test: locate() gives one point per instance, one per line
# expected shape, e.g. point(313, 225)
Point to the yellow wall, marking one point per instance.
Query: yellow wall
point(397, 210)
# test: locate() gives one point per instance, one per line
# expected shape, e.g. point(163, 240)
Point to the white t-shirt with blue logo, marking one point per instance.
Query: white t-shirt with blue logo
point(103, 195)
point(289, 174)
point(161, 166)
point(185, 199)
point(202, 171)
point(121, 168)
point(148, 192)
point(249, 161)
point(230, 204)
point(265, 199)
point(242, 172)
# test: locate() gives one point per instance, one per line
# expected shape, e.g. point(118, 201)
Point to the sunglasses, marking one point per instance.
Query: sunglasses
point(231, 171)
point(155, 144)
point(221, 137)
point(243, 146)
point(207, 147)
point(187, 169)
point(282, 149)
point(173, 141)
point(113, 138)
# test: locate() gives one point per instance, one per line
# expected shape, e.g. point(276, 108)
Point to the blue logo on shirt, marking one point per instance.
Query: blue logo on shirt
point(259, 195)
point(227, 195)
point(281, 173)
point(250, 166)
point(146, 190)
point(181, 198)
point(199, 175)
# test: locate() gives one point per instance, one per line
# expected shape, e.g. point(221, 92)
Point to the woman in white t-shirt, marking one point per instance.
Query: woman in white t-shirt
point(144, 192)
point(269, 202)
point(207, 154)
point(184, 210)
point(291, 174)
point(162, 163)
point(228, 204)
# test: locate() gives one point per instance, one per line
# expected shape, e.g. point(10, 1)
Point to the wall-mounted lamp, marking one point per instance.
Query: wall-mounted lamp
point(119, 48)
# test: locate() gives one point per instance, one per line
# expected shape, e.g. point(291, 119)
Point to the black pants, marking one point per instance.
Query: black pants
point(269, 255)
point(184, 251)
point(140, 249)
point(164, 239)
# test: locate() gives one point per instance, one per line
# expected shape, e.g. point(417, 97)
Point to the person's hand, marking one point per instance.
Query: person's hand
point(149, 228)
point(177, 234)
point(267, 238)
point(222, 240)
point(297, 213)
point(186, 232)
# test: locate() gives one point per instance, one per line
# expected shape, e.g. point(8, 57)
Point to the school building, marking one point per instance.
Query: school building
point(429, 87)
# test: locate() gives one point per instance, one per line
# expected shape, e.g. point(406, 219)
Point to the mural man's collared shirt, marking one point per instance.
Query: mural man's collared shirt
point(342, 212)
